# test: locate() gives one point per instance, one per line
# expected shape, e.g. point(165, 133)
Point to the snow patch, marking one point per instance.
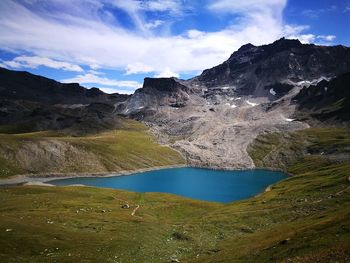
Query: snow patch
point(272, 92)
point(233, 106)
point(304, 82)
point(238, 98)
point(251, 103)
point(289, 120)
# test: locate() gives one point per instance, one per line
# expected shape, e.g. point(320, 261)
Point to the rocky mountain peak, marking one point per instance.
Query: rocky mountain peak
point(252, 69)
point(162, 84)
point(285, 43)
point(246, 47)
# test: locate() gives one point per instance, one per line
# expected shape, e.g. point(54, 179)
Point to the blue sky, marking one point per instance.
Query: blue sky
point(114, 44)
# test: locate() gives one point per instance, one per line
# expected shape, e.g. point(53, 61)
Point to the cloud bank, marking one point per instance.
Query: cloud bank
point(67, 35)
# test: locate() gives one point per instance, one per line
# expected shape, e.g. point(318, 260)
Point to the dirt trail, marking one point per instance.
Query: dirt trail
point(135, 209)
point(126, 202)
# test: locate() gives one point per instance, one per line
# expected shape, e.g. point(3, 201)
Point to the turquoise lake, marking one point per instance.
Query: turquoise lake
point(197, 183)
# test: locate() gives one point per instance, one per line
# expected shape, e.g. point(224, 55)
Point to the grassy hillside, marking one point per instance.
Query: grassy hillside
point(128, 148)
point(305, 218)
point(312, 148)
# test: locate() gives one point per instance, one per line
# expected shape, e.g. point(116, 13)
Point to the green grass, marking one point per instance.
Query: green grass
point(321, 145)
point(128, 148)
point(305, 218)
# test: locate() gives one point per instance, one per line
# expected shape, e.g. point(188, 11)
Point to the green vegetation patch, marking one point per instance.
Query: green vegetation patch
point(318, 146)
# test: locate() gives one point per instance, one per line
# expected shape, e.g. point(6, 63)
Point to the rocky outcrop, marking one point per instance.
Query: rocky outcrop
point(327, 101)
point(156, 93)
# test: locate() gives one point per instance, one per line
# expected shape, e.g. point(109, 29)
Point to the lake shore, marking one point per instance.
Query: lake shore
point(42, 179)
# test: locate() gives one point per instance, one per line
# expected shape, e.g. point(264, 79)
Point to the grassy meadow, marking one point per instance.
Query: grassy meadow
point(304, 218)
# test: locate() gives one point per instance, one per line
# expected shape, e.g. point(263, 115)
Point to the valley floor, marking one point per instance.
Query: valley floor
point(305, 218)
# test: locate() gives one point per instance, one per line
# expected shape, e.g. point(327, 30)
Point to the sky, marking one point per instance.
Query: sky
point(115, 44)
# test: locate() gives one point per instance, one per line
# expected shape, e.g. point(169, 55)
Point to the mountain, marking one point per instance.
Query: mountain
point(213, 117)
point(252, 70)
point(30, 102)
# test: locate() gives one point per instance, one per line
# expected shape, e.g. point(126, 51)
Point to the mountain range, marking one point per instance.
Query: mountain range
point(210, 119)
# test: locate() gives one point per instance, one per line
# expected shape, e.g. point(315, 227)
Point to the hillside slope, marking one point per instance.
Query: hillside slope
point(129, 147)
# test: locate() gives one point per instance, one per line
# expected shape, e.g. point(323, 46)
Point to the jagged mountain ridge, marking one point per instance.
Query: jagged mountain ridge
point(252, 68)
point(269, 70)
point(21, 85)
point(30, 103)
point(213, 117)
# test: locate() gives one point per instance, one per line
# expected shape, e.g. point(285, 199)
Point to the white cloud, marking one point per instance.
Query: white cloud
point(303, 38)
point(137, 67)
point(91, 78)
point(194, 33)
point(116, 90)
point(296, 32)
point(154, 24)
point(163, 5)
point(327, 38)
point(239, 6)
point(94, 66)
point(166, 73)
point(35, 61)
point(257, 10)
point(89, 40)
point(135, 8)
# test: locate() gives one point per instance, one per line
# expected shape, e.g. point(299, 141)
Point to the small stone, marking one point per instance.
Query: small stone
point(8, 230)
point(284, 241)
point(174, 259)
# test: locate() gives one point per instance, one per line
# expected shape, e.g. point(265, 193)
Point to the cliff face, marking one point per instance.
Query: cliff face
point(156, 93)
